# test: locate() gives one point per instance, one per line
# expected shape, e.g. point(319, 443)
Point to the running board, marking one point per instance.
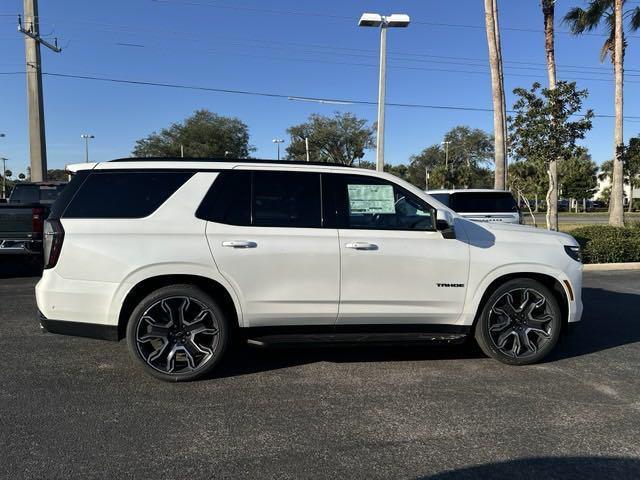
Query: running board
point(356, 338)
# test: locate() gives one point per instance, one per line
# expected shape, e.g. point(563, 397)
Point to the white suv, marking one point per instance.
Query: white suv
point(181, 256)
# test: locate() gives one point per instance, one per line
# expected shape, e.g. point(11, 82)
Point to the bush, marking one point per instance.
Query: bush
point(607, 244)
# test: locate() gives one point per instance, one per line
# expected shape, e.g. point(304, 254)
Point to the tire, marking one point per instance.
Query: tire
point(520, 322)
point(178, 333)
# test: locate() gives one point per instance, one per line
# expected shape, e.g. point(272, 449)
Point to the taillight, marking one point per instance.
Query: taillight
point(53, 237)
point(37, 219)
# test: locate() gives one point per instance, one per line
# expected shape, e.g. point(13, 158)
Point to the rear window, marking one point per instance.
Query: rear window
point(470, 202)
point(36, 193)
point(124, 194)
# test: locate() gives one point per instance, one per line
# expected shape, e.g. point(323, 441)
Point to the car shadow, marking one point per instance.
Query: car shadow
point(19, 266)
point(584, 468)
point(610, 320)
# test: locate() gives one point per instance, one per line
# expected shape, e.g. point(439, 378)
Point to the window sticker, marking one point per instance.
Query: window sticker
point(371, 199)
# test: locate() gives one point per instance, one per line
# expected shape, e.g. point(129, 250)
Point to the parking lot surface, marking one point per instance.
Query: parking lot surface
point(79, 408)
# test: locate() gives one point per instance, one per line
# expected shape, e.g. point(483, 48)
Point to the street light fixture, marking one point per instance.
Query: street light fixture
point(376, 20)
point(278, 141)
point(86, 145)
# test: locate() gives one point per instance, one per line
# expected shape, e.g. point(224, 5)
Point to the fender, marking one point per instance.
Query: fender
point(474, 297)
point(137, 276)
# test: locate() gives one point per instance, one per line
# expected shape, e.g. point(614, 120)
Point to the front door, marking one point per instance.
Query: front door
point(395, 267)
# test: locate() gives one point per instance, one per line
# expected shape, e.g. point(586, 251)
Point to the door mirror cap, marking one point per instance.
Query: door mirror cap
point(444, 224)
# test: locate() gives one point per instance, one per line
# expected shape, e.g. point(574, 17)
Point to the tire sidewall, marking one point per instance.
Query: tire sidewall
point(170, 291)
point(482, 331)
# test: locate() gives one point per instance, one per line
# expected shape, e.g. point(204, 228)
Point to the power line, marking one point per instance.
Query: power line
point(285, 96)
point(351, 18)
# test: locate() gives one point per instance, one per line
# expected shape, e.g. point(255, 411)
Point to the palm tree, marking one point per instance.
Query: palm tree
point(548, 12)
point(497, 91)
point(610, 12)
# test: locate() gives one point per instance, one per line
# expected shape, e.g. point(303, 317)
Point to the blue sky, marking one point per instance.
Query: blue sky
point(286, 47)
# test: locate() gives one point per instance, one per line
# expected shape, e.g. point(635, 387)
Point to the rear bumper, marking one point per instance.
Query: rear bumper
point(20, 247)
point(78, 329)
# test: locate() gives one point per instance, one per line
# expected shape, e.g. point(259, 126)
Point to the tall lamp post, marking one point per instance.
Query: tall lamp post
point(4, 169)
point(446, 161)
point(383, 22)
point(4, 177)
point(86, 146)
point(278, 141)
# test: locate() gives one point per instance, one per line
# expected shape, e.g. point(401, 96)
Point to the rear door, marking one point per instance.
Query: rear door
point(266, 235)
point(396, 268)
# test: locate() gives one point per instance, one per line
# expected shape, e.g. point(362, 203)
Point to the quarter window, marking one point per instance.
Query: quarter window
point(124, 194)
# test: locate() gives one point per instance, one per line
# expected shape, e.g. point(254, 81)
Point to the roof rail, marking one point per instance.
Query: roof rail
point(229, 160)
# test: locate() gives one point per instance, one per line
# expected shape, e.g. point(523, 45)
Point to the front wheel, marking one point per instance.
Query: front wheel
point(520, 322)
point(177, 333)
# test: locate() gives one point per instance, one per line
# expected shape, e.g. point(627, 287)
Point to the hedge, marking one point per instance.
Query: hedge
point(607, 244)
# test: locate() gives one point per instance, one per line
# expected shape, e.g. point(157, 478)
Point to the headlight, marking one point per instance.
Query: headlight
point(573, 252)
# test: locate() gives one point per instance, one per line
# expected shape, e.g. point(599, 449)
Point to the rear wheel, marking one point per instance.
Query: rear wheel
point(520, 322)
point(177, 333)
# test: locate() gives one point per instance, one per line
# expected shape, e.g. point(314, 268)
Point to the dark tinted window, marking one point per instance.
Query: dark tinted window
point(286, 199)
point(124, 194)
point(441, 197)
point(370, 203)
point(468, 202)
point(68, 193)
point(25, 194)
point(228, 200)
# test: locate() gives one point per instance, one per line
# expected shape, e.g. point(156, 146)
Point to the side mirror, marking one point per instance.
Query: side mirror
point(444, 224)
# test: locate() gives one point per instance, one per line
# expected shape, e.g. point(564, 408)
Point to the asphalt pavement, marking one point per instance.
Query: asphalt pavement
point(79, 408)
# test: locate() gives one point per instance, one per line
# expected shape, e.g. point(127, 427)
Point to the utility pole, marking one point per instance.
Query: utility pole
point(306, 147)
point(446, 161)
point(32, 41)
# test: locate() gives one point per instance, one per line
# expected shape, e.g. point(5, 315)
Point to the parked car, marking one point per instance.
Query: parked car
point(481, 205)
point(191, 253)
point(22, 217)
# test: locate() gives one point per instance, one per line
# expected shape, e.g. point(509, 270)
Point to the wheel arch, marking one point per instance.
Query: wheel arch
point(140, 290)
point(557, 288)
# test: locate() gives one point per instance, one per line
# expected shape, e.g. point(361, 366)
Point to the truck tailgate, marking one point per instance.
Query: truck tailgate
point(16, 222)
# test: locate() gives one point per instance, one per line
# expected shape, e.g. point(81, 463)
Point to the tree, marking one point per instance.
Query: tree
point(528, 179)
point(59, 175)
point(497, 91)
point(542, 128)
point(342, 138)
point(610, 12)
point(22, 176)
point(548, 13)
point(632, 162)
point(204, 134)
point(8, 173)
point(578, 178)
point(470, 151)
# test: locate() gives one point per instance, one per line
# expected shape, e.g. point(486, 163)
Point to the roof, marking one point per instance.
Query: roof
point(468, 190)
point(228, 160)
point(185, 163)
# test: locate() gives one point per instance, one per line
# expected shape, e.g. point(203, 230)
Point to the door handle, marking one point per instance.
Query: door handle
point(362, 246)
point(239, 244)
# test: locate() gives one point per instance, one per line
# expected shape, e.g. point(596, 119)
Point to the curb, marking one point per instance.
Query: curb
point(601, 267)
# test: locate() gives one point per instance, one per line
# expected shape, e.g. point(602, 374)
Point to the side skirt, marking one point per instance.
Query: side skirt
point(356, 334)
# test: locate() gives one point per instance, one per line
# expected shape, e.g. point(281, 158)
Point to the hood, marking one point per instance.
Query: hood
point(522, 233)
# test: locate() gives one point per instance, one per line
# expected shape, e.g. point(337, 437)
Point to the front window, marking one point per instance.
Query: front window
point(375, 204)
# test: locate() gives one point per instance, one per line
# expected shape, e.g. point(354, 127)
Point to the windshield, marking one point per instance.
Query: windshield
point(443, 198)
point(468, 202)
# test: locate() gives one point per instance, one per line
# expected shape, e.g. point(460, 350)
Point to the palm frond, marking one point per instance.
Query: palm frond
point(607, 48)
point(634, 23)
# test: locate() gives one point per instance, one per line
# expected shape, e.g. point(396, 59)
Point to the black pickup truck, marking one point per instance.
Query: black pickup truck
point(22, 217)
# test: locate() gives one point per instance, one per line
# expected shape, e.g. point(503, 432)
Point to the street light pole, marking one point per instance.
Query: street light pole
point(278, 141)
point(86, 146)
point(446, 161)
point(4, 178)
point(384, 22)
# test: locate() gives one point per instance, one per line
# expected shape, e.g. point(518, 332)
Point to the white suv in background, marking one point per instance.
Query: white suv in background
point(179, 256)
point(481, 204)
